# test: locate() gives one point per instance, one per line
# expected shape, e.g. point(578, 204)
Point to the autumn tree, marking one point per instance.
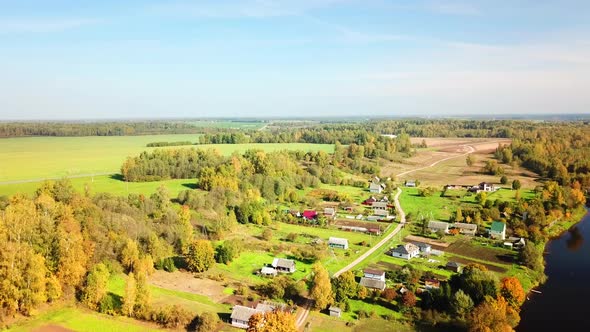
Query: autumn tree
point(493, 315)
point(344, 286)
point(130, 255)
point(516, 184)
point(186, 228)
point(200, 256)
point(512, 291)
point(272, 321)
point(142, 295)
point(469, 160)
point(321, 289)
point(96, 286)
point(409, 299)
point(72, 254)
point(130, 296)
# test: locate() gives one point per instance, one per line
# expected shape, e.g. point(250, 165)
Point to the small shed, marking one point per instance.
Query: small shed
point(411, 183)
point(268, 271)
point(453, 266)
point(336, 242)
point(335, 311)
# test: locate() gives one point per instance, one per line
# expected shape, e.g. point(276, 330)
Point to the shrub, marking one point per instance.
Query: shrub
point(292, 237)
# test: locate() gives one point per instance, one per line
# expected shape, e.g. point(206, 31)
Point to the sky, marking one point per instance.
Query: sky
point(272, 58)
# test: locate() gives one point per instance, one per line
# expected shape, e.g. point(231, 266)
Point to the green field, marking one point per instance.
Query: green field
point(36, 158)
point(83, 320)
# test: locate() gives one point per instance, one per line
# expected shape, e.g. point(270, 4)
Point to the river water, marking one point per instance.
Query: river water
point(564, 302)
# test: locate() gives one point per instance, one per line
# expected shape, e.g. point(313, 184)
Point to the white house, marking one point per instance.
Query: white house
point(498, 230)
point(284, 265)
point(424, 247)
point(373, 279)
point(406, 251)
point(376, 188)
point(268, 271)
point(465, 228)
point(410, 183)
point(380, 209)
point(336, 242)
point(436, 226)
point(486, 186)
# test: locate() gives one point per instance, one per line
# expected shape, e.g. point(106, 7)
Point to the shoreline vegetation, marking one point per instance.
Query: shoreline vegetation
point(234, 212)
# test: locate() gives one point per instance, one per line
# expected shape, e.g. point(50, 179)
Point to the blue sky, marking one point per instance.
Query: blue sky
point(125, 59)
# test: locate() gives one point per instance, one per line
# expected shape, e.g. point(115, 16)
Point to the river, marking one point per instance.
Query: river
point(564, 302)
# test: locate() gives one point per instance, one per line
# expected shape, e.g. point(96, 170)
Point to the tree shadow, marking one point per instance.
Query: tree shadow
point(118, 177)
point(190, 185)
point(506, 258)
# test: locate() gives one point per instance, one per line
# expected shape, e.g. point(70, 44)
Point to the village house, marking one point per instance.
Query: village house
point(406, 251)
point(336, 242)
point(431, 284)
point(380, 209)
point(374, 279)
point(517, 242)
point(498, 230)
point(369, 201)
point(425, 248)
point(435, 226)
point(376, 188)
point(329, 212)
point(284, 265)
point(310, 214)
point(465, 228)
point(486, 186)
point(453, 266)
point(240, 315)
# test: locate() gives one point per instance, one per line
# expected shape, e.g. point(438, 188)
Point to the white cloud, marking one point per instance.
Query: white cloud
point(27, 25)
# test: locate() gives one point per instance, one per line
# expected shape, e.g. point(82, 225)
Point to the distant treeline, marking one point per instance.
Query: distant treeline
point(161, 144)
point(20, 129)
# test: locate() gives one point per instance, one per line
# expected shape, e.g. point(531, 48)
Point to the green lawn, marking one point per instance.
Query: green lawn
point(45, 157)
point(441, 208)
point(83, 320)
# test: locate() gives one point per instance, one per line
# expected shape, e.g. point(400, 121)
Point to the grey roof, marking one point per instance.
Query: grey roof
point(453, 264)
point(335, 309)
point(422, 245)
point(406, 248)
point(438, 224)
point(372, 283)
point(283, 263)
point(243, 313)
point(463, 225)
point(338, 240)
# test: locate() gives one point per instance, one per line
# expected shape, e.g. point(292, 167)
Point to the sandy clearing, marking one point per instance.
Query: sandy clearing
point(186, 282)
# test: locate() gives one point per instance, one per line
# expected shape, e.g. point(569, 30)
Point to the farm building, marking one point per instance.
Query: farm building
point(486, 186)
point(453, 266)
point(498, 230)
point(380, 209)
point(335, 311)
point(329, 212)
point(369, 201)
point(284, 265)
point(517, 242)
point(336, 242)
point(406, 251)
point(268, 271)
point(435, 226)
point(465, 228)
point(410, 183)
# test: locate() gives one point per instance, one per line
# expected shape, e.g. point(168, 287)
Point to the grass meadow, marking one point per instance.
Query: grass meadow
point(33, 159)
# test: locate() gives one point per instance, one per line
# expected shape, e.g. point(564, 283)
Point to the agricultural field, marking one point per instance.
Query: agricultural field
point(225, 124)
point(27, 161)
point(83, 320)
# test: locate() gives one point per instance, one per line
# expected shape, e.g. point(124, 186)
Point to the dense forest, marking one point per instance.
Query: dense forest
point(20, 129)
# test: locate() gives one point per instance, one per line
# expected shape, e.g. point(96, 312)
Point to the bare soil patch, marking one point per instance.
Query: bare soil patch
point(51, 328)
point(435, 243)
point(496, 256)
point(356, 223)
point(490, 267)
point(186, 282)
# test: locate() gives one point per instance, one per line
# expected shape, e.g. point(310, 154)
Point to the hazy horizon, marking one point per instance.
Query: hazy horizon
point(281, 59)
